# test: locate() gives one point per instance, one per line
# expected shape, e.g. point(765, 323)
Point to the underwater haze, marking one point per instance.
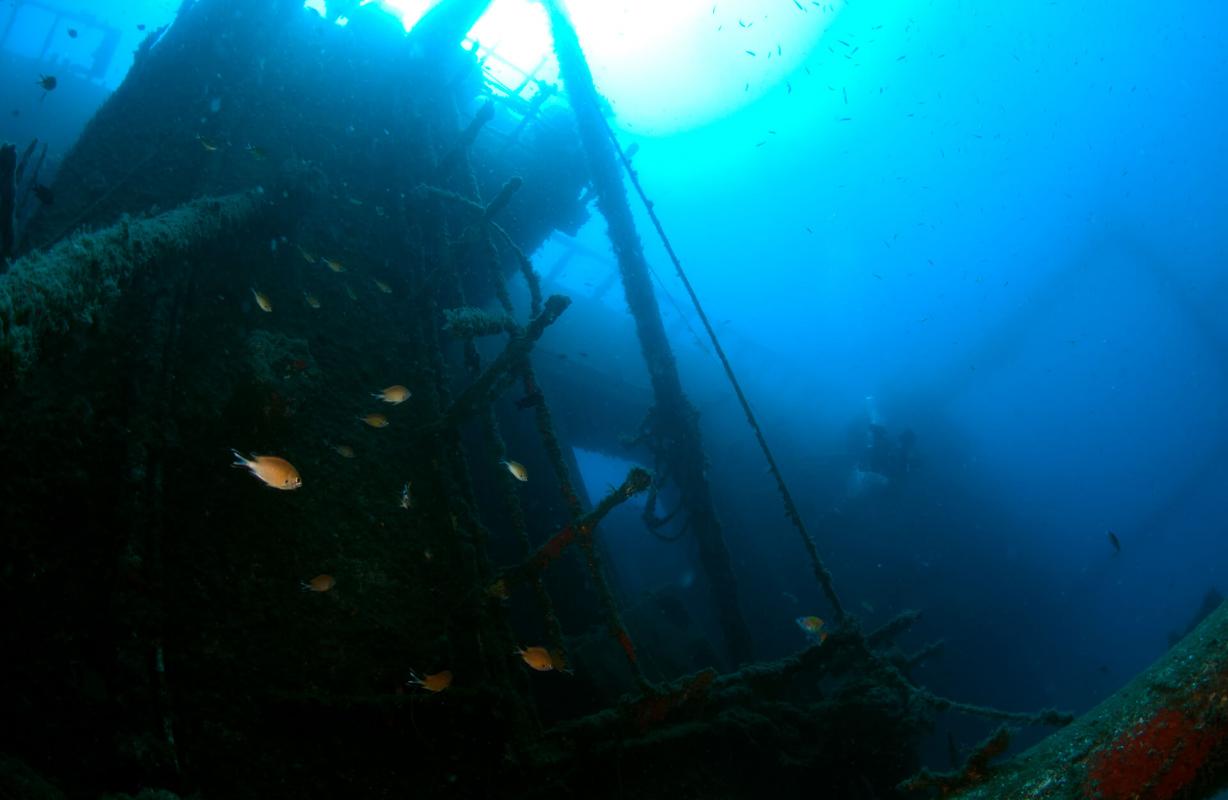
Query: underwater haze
point(1000, 222)
point(968, 261)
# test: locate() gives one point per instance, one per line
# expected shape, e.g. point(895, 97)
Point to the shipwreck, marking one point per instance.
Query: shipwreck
point(383, 202)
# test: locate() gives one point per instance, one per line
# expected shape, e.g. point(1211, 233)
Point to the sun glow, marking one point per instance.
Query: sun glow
point(664, 66)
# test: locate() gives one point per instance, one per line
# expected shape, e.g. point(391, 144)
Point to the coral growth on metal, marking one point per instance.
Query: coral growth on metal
point(1168, 755)
point(654, 708)
point(579, 531)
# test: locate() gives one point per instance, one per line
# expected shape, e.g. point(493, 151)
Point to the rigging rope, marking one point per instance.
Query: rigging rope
point(820, 571)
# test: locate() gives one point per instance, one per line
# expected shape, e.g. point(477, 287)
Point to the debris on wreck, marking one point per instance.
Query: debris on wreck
point(975, 771)
point(18, 182)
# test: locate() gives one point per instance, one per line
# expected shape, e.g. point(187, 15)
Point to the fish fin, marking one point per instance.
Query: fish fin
point(242, 462)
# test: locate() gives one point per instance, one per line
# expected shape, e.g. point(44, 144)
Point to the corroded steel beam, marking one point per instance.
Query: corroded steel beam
point(675, 421)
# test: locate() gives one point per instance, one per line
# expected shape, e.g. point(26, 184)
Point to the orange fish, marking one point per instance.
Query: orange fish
point(538, 658)
point(276, 472)
point(375, 420)
point(432, 683)
point(393, 394)
point(320, 583)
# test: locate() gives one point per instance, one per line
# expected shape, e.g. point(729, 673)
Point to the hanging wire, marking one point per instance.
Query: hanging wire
point(816, 562)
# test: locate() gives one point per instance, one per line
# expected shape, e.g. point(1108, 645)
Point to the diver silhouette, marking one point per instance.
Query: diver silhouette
point(881, 462)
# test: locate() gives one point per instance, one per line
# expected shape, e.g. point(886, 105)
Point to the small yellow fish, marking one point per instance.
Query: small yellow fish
point(395, 395)
point(257, 153)
point(538, 658)
point(311, 300)
point(517, 469)
point(208, 144)
point(333, 264)
point(263, 301)
point(383, 287)
point(499, 589)
point(276, 472)
point(320, 583)
point(307, 255)
point(343, 450)
point(432, 683)
point(350, 291)
point(375, 420)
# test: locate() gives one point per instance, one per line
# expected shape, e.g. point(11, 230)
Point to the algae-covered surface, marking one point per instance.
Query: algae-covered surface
point(1162, 736)
point(69, 286)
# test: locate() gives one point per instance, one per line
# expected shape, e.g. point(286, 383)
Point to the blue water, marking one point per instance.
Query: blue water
point(1003, 223)
point(1014, 245)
